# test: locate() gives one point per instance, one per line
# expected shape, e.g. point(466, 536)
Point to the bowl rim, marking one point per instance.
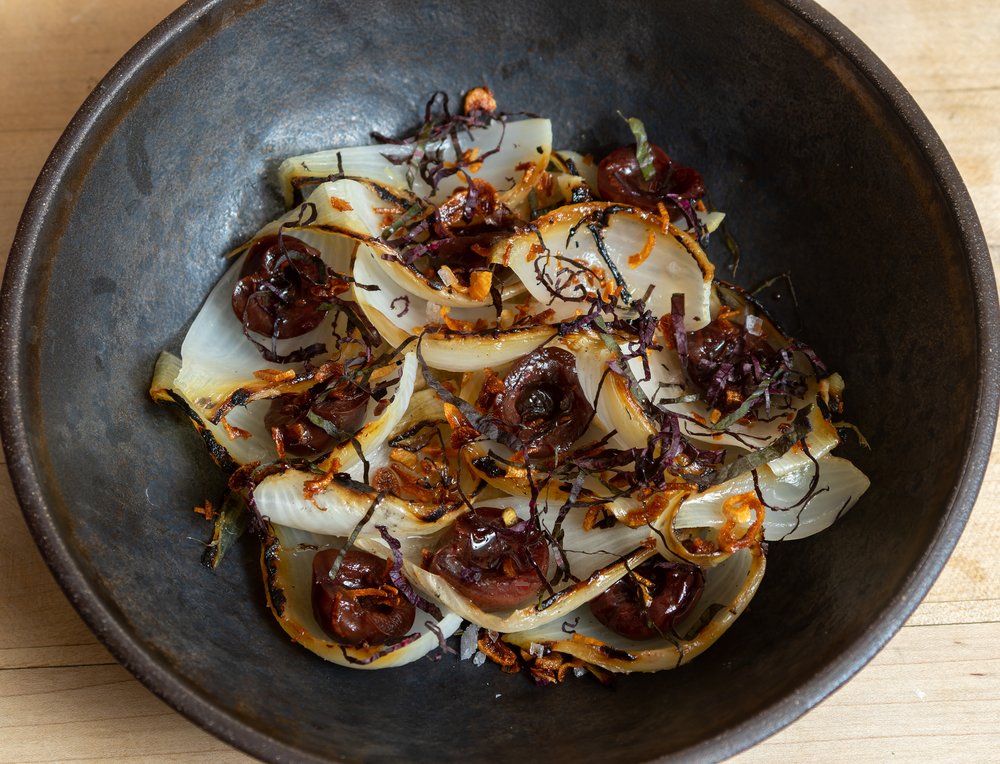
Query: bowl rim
point(110, 628)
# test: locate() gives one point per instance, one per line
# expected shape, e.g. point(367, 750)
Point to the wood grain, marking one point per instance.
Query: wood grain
point(932, 694)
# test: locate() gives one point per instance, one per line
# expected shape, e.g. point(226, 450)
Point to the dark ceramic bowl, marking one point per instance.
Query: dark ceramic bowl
point(828, 171)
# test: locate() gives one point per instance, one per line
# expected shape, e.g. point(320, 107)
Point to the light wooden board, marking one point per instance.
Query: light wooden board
point(933, 694)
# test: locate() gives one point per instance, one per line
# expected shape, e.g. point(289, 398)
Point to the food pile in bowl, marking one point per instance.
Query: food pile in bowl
point(473, 383)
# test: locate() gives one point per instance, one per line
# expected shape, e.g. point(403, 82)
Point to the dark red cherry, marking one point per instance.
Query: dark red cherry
point(650, 601)
point(360, 606)
point(495, 566)
point(543, 403)
point(283, 285)
point(619, 179)
point(344, 407)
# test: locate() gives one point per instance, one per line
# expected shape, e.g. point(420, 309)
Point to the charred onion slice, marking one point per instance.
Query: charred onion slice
point(729, 587)
point(543, 403)
point(494, 565)
point(286, 562)
point(579, 252)
point(359, 606)
point(650, 600)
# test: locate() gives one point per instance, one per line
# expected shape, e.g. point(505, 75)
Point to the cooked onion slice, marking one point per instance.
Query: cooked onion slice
point(792, 510)
point(584, 250)
point(728, 589)
point(286, 561)
point(227, 452)
point(341, 505)
point(219, 360)
point(398, 315)
point(525, 144)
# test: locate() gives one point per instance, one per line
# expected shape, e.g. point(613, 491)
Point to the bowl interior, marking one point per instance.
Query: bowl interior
point(821, 179)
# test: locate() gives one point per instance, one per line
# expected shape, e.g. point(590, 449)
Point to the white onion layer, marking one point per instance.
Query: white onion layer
point(288, 576)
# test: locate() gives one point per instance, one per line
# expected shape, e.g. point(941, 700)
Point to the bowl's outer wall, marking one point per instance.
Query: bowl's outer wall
point(820, 178)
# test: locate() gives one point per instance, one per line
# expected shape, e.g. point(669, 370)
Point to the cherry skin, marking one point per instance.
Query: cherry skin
point(344, 407)
point(674, 590)
point(282, 286)
point(619, 179)
point(543, 403)
point(495, 566)
point(359, 607)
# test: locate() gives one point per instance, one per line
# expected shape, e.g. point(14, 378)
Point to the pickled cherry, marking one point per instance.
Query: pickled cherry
point(651, 600)
point(343, 406)
point(543, 403)
point(282, 288)
point(619, 179)
point(495, 566)
point(359, 607)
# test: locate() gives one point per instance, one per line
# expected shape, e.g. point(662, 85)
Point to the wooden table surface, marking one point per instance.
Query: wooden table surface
point(932, 694)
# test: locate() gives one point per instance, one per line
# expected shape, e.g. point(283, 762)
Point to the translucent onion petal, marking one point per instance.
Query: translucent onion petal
point(337, 509)
point(257, 448)
point(840, 485)
point(635, 246)
point(728, 589)
point(519, 144)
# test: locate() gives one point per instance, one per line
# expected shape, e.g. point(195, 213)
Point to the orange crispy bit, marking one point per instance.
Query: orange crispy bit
point(313, 487)
point(652, 507)
point(554, 668)
point(479, 99)
point(469, 157)
point(492, 387)
point(634, 261)
point(340, 204)
point(534, 251)
point(275, 376)
point(387, 593)
point(456, 325)
point(233, 432)
point(207, 511)
point(664, 217)
point(505, 258)
point(596, 516)
point(738, 511)
point(479, 284)
point(499, 652)
point(279, 442)
point(404, 457)
point(545, 184)
point(461, 431)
